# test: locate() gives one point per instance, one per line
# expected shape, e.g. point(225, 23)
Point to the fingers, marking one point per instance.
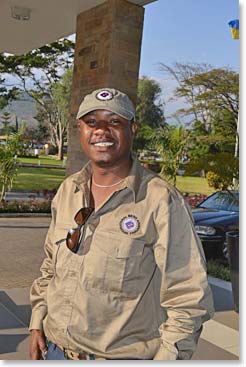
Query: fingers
point(37, 345)
point(34, 354)
point(42, 347)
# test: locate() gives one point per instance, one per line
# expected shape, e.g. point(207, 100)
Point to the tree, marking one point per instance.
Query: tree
point(32, 134)
point(145, 138)
point(59, 106)
point(172, 144)
point(212, 97)
point(205, 89)
point(221, 167)
point(149, 112)
point(9, 165)
point(37, 73)
point(149, 108)
point(7, 94)
point(213, 151)
point(61, 100)
point(6, 120)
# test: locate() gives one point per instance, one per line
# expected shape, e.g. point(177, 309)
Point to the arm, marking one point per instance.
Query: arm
point(184, 293)
point(38, 295)
point(39, 286)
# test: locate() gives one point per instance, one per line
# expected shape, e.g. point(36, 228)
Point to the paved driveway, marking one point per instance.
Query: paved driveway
point(21, 248)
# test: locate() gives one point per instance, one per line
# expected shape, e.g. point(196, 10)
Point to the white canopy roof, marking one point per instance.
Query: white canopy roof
point(28, 24)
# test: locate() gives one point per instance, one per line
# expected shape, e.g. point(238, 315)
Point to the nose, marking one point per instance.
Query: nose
point(101, 127)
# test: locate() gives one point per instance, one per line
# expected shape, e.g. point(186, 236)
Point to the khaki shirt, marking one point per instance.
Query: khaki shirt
point(138, 287)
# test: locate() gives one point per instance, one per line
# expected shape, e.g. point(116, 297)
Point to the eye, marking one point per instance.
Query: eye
point(91, 122)
point(115, 122)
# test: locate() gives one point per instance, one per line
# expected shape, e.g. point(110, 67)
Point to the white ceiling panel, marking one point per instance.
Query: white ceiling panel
point(49, 20)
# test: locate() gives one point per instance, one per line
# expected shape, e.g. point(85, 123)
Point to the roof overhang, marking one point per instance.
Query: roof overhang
point(41, 21)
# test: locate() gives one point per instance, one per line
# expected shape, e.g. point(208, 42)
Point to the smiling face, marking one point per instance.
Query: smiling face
point(106, 137)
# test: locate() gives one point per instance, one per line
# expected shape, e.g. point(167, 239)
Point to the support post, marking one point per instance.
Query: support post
point(107, 54)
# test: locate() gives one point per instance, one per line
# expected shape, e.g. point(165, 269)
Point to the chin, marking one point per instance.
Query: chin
point(102, 158)
point(103, 162)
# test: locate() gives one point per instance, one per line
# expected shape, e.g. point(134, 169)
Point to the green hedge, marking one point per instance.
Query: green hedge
point(25, 207)
point(218, 270)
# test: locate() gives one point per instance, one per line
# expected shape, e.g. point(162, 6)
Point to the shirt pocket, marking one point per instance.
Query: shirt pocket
point(63, 286)
point(114, 265)
point(63, 258)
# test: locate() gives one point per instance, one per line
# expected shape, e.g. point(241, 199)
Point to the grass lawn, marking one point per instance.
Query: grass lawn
point(196, 185)
point(43, 160)
point(29, 179)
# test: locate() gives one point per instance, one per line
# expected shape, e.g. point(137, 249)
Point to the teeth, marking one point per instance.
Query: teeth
point(104, 144)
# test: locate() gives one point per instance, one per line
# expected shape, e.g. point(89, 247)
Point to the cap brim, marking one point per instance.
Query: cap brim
point(125, 114)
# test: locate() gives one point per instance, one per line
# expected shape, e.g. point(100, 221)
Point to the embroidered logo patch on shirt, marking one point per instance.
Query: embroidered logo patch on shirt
point(129, 224)
point(104, 95)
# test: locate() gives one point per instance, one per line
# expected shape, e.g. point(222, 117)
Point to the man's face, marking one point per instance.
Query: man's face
point(106, 137)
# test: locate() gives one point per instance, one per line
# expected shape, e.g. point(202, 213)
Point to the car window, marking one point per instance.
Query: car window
point(234, 207)
point(221, 201)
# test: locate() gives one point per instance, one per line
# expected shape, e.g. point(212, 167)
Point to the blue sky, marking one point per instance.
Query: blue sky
point(188, 31)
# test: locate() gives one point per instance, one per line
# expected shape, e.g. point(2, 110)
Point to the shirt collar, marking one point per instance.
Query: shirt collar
point(132, 181)
point(82, 177)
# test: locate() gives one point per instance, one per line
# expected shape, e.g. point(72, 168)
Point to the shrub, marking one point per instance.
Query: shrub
point(9, 165)
point(48, 194)
point(25, 206)
point(215, 180)
point(194, 200)
point(218, 270)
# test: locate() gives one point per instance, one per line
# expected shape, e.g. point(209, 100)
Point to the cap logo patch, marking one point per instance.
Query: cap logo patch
point(104, 95)
point(129, 224)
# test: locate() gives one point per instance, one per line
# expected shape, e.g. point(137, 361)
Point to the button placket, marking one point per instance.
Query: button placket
point(70, 288)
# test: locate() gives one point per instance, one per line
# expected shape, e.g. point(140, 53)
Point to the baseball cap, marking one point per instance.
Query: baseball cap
point(108, 99)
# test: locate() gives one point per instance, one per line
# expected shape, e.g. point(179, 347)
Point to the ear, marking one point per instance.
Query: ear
point(134, 128)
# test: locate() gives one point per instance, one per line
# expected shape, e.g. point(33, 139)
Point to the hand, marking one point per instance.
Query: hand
point(37, 344)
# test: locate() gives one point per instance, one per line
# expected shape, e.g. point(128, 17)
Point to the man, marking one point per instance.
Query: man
point(124, 275)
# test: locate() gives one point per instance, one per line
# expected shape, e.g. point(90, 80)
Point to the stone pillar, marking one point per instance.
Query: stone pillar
point(107, 54)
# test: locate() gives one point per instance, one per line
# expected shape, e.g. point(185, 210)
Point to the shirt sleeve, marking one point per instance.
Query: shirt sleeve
point(39, 286)
point(184, 293)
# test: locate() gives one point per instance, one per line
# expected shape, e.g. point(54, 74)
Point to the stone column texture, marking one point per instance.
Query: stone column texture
point(107, 54)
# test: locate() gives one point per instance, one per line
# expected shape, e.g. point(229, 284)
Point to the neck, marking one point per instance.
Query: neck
point(110, 176)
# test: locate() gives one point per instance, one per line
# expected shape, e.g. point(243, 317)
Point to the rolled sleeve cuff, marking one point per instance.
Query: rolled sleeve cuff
point(165, 355)
point(37, 319)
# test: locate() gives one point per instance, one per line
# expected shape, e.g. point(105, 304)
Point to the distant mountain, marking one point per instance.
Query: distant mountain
point(24, 109)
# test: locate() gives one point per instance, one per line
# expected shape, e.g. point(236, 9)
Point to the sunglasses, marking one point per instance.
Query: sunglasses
point(75, 235)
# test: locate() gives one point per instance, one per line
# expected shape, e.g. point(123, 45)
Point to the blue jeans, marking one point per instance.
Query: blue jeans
point(54, 353)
